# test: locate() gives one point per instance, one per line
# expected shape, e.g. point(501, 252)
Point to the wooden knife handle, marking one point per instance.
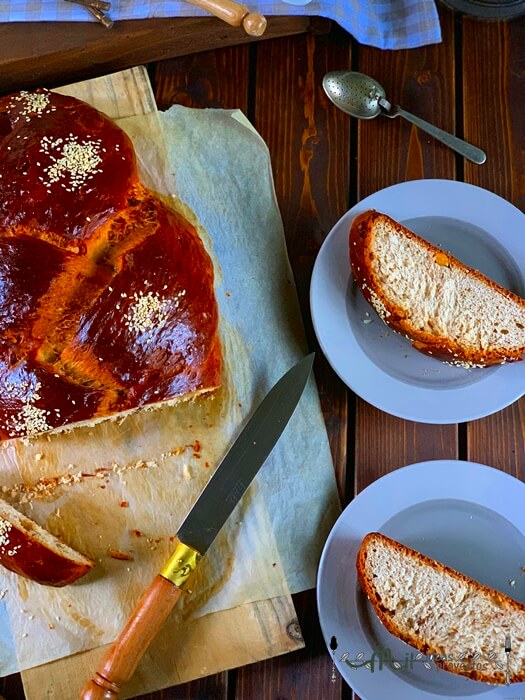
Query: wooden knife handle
point(235, 14)
point(121, 660)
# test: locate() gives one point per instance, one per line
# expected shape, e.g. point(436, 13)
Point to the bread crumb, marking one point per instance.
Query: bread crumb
point(124, 556)
point(38, 456)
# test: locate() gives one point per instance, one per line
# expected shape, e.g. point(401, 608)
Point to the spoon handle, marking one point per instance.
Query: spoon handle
point(476, 155)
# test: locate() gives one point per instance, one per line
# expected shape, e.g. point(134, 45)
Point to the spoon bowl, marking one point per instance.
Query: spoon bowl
point(363, 97)
point(354, 93)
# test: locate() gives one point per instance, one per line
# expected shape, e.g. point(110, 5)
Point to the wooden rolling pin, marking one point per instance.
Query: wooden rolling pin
point(235, 14)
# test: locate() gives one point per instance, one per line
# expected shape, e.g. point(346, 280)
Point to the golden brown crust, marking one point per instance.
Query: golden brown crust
point(443, 348)
point(28, 550)
point(107, 299)
point(386, 616)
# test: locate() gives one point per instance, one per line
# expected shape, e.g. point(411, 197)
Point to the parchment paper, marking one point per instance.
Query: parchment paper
point(119, 490)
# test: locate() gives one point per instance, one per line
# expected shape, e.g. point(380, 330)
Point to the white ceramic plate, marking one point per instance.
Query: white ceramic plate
point(478, 227)
point(466, 515)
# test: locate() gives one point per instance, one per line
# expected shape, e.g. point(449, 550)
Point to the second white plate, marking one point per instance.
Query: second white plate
point(466, 515)
point(481, 229)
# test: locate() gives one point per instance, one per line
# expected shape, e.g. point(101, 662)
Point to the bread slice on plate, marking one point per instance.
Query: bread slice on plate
point(29, 550)
point(447, 309)
point(442, 612)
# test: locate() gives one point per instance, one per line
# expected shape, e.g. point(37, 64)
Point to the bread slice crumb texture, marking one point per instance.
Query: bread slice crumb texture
point(438, 610)
point(444, 301)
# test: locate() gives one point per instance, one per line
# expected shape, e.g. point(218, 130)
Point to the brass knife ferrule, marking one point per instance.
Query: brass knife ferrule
point(181, 565)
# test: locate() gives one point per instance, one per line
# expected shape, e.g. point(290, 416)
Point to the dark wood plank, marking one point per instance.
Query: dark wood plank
point(422, 81)
point(56, 53)
point(209, 688)
point(309, 145)
point(210, 79)
point(392, 151)
point(11, 687)
point(307, 136)
point(499, 440)
point(494, 100)
point(494, 105)
point(385, 443)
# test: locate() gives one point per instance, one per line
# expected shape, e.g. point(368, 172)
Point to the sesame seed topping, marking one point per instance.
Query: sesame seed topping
point(5, 529)
point(32, 103)
point(378, 305)
point(149, 311)
point(30, 420)
point(72, 159)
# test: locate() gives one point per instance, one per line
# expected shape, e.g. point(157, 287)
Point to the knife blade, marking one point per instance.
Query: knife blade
point(211, 510)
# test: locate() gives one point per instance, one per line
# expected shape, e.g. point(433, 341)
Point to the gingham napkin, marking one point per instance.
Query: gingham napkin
point(385, 24)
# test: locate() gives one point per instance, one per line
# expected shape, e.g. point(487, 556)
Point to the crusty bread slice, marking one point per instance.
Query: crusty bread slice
point(444, 307)
point(440, 611)
point(29, 550)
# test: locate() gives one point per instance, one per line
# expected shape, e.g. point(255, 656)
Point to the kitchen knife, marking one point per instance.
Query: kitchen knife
point(213, 507)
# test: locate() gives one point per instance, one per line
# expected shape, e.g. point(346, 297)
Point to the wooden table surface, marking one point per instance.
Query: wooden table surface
point(473, 84)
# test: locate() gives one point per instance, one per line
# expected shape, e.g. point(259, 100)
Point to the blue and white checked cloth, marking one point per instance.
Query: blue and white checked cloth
point(385, 24)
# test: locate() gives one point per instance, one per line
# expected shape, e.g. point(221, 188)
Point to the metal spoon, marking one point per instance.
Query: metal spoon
point(363, 97)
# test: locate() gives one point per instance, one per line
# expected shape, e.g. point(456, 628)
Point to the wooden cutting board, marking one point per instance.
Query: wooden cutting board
point(206, 645)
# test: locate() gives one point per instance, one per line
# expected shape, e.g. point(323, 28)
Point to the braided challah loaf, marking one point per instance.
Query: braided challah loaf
point(106, 295)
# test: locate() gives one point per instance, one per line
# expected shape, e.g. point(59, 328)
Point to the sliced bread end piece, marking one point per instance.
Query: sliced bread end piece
point(447, 309)
point(440, 611)
point(29, 550)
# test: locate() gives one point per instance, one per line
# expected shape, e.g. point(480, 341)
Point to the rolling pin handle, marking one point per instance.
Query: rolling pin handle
point(234, 13)
point(254, 24)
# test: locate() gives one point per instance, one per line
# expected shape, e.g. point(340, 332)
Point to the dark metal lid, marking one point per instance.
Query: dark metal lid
point(488, 9)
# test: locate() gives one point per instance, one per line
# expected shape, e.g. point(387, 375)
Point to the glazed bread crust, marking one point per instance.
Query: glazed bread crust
point(440, 611)
point(107, 300)
point(447, 309)
point(30, 551)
